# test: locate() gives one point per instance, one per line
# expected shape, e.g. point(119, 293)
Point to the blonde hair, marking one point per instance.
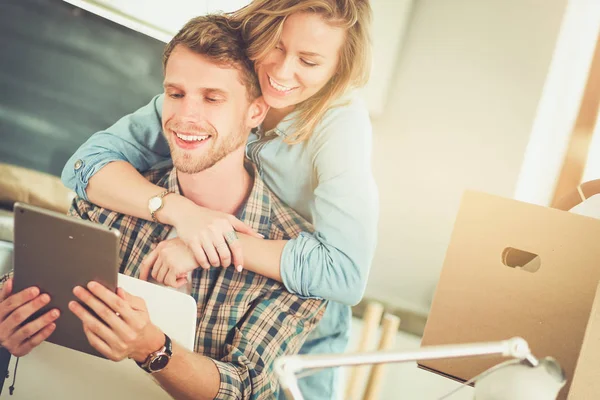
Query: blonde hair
point(261, 24)
point(213, 37)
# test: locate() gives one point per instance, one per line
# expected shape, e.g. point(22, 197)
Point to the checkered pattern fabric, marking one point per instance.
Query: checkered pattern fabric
point(244, 321)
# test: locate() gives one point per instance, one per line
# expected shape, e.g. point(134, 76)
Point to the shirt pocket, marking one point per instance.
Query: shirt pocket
point(216, 324)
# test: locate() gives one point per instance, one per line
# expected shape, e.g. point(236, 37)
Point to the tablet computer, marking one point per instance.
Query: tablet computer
point(57, 252)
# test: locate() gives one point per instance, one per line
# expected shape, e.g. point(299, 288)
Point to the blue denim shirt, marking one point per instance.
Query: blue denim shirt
point(326, 179)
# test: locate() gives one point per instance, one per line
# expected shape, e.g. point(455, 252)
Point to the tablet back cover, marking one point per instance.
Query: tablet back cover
point(56, 252)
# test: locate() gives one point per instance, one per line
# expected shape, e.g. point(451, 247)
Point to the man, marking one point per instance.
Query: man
point(245, 321)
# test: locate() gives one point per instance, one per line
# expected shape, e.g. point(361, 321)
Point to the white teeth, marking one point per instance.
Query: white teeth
point(190, 138)
point(278, 87)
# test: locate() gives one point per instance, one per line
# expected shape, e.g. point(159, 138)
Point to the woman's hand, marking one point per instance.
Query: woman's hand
point(210, 235)
point(169, 263)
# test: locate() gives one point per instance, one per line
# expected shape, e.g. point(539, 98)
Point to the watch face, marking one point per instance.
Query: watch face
point(159, 362)
point(155, 203)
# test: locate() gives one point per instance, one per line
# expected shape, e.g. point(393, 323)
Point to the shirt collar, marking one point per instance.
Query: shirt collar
point(283, 128)
point(169, 181)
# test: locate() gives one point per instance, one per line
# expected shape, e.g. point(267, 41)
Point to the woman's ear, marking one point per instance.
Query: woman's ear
point(257, 112)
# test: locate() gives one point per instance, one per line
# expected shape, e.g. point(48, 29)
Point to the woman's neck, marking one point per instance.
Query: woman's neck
point(275, 116)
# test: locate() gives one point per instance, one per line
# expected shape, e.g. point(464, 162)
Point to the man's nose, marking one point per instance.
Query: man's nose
point(191, 108)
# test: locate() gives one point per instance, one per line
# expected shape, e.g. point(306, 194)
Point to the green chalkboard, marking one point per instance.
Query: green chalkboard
point(64, 74)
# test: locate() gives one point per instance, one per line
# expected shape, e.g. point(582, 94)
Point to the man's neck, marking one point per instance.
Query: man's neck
point(223, 187)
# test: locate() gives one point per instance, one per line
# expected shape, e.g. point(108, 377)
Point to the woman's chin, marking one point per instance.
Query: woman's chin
point(277, 103)
point(283, 105)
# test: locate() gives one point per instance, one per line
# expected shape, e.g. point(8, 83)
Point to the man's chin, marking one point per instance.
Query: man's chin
point(188, 163)
point(189, 168)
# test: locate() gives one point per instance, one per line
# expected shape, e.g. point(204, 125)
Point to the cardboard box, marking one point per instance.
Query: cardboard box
point(483, 296)
point(586, 379)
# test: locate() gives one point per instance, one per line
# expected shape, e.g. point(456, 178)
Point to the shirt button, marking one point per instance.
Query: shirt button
point(78, 164)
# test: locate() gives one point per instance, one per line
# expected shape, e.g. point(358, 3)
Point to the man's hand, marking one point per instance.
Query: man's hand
point(169, 263)
point(126, 332)
point(14, 310)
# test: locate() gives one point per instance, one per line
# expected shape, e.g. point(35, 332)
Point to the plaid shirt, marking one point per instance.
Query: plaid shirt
point(244, 321)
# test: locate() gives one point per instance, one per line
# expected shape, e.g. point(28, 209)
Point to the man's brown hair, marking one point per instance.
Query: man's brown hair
point(213, 37)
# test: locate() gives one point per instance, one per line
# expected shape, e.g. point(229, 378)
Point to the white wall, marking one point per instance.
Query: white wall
point(388, 29)
point(559, 105)
point(592, 168)
point(459, 116)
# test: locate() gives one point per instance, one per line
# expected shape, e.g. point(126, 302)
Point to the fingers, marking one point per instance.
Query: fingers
point(156, 269)
point(136, 303)
point(224, 254)
point(93, 324)
point(171, 278)
point(106, 304)
point(180, 282)
point(17, 300)
point(147, 264)
point(26, 338)
point(233, 241)
point(6, 289)
point(200, 255)
point(18, 316)
point(162, 272)
point(99, 344)
point(171, 259)
point(212, 247)
point(243, 228)
point(237, 254)
point(111, 340)
point(111, 299)
point(222, 248)
point(208, 243)
point(34, 341)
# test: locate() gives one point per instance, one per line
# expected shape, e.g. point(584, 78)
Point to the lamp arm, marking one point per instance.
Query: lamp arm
point(287, 367)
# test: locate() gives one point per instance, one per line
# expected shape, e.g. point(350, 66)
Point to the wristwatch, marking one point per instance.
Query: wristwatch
point(156, 203)
point(158, 360)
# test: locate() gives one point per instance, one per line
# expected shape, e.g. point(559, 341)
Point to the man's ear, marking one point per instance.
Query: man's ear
point(256, 112)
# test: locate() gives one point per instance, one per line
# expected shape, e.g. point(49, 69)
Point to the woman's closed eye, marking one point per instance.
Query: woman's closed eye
point(308, 63)
point(176, 95)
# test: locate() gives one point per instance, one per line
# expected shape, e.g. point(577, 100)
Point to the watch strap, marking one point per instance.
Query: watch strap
point(159, 196)
point(168, 346)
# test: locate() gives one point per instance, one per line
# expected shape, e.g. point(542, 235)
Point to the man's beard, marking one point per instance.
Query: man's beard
point(187, 162)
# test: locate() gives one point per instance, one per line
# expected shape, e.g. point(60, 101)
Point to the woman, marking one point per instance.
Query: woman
point(313, 151)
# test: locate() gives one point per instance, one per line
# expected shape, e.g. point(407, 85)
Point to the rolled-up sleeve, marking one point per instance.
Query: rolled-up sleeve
point(277, 325)
point(136, 138)
point(334, 262)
